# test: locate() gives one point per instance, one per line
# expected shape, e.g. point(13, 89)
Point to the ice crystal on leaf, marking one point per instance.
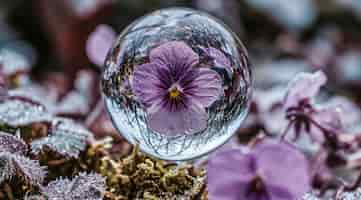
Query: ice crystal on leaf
point(17, 112)
point(65, 137)
point(13, 62)
point(350, 195)
point(82, 187)
point(13, 165)
point(12, 144)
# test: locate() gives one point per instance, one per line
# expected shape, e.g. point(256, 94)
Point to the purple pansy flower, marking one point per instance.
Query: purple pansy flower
point(174, 90)
point(270, 171)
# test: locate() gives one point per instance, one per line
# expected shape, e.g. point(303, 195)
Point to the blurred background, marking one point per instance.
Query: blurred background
point(46, 40)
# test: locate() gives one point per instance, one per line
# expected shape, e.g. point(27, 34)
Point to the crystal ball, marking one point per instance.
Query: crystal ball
point(178, 83)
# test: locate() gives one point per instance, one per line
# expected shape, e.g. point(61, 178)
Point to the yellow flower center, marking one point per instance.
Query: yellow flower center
point(174, 93)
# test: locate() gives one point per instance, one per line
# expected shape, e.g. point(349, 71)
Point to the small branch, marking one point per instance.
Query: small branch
point(283, 136)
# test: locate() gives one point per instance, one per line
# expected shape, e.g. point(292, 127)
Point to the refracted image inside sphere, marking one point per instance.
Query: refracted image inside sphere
point(177, 82)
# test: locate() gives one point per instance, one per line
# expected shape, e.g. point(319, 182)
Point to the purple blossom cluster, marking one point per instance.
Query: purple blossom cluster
point(314, 137)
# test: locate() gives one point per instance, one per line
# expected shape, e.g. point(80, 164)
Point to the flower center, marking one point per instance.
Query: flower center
point(174, 92)
point(257, 186)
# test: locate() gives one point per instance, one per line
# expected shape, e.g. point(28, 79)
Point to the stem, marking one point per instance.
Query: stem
point(286, 130)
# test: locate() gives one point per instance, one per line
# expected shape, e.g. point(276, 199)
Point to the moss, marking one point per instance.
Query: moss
point(141, 177)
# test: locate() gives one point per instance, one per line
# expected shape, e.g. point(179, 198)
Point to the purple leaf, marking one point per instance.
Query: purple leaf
point(65, 137)
point(12, 165)
point(12, 144)
point(99, 43)
point(84, 186)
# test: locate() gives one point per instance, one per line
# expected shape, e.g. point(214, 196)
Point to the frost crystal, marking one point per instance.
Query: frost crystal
point(12, 165)
point(83, 186)
point(66, 138)
point(18, 112)
point(12, 144)
point(355, 195)
point(310, 196)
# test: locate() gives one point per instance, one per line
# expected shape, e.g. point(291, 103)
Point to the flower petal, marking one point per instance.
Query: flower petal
point(229, 173)
point(205, 88)
point(283, 167)
point(188, 120)
point(219, 58)
point(278, 193)
point(149, 84)
point(99, 43)
point(330, 118)
point(176, 55)
point(304, 86)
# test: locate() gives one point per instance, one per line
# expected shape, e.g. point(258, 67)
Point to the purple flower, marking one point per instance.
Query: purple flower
point(174, 91)
point(99, 43)
point(270, 171)
point(303, 88)
point(322, 123)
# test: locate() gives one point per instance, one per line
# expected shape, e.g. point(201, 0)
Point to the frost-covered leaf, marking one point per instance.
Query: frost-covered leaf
point(65, 137)
point(12, 144)
point(84, 186)
point(353, 195)
point(12, 165)
point(17, 112)
point(41, 94)
point(309, 196)
point(13, 62)
point(73, 103)
point(7, 170)
point(34, 197)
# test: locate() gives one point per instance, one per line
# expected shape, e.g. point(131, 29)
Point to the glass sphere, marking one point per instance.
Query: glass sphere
point(177, 82)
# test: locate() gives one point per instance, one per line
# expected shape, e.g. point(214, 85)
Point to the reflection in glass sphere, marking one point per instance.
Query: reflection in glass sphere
point(177, 82)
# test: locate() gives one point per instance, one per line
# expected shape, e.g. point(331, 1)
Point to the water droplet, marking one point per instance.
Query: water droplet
point(178, 82)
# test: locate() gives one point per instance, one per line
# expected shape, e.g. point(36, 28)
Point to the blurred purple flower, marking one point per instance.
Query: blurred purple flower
point(99, 42)
point(321, 122)
point(303, 88)
point(270, 171)
point(174, 91)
